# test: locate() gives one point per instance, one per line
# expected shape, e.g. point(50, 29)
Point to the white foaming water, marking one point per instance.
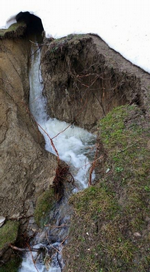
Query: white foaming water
point(33, 262)
point(37, 102)
point(73, 145)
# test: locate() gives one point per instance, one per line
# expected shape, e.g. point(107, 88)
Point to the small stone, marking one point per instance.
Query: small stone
point(2, 220)
point(15, 216)
point(137, 234)
point(34, 230)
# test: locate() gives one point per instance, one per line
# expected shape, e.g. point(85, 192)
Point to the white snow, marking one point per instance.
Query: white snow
point(123, 24)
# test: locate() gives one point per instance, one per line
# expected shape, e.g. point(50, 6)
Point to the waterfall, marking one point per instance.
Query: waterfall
point(74, 146)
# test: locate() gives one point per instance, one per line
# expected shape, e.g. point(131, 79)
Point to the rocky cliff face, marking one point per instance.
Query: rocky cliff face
point(26, 169)
point(85, 79)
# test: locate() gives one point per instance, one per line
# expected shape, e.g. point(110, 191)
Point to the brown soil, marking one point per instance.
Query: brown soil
point(84, 79)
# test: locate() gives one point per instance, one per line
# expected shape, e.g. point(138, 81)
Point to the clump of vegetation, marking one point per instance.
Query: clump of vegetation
point(44, 204)
point(111, 222)
point(8, 233)
point(15, 29)
point(12, 265)
point(61, 44)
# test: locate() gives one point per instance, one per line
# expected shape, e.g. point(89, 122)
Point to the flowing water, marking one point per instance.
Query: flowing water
point(75, 146)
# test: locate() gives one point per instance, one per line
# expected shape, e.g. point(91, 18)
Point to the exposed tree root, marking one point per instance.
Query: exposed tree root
point(62, 173)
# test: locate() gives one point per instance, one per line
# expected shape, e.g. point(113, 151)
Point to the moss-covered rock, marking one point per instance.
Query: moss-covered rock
point(8, 233)
point(43, 205)
point(111, 223)
point(14, 31)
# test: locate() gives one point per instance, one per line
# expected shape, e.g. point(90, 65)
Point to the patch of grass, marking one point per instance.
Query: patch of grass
point(58, 45)
point(95, 232)
point(110, 225)
point(8, 233)
point(12, 265)
point(95, 200)
point(44, 204)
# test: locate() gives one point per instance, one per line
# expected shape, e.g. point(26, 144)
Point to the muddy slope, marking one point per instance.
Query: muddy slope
point(23, 160)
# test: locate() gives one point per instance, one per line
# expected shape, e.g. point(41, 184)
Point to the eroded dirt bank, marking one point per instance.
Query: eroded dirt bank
point(85, 79)
point(91, 85)
point(27, 170)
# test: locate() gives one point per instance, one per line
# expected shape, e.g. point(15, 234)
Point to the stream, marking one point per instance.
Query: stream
point(75, 146)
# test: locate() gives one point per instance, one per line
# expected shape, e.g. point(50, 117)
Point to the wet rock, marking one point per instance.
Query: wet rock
point(2, 220)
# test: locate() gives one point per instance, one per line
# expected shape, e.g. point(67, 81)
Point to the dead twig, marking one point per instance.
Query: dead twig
point(34, 262)
point(52, 143)
point(64, 240)
point(23, 249)
point(55, 249)
point(55, 227)
point(93, 165)
point(61, 131)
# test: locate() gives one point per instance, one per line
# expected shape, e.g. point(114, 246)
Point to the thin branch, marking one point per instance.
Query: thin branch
point(64, 240)
point(93, 165)
point(32, 257)
point(61, 131)
point(23, 249)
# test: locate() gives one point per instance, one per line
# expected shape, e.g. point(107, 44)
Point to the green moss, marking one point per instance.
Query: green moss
point(109, 229)
point(44, 204)
point(8, 233)
point(12, 29)
point(12, 265)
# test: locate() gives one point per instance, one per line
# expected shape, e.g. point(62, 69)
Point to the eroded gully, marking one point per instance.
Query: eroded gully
point(74, 146)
